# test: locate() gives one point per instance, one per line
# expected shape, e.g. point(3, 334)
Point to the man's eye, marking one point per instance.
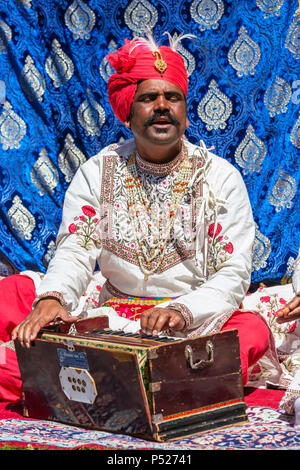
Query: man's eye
point(147, 98)
point(174, 98)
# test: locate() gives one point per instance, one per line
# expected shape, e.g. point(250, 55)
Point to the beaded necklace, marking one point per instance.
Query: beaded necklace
point(150, 230)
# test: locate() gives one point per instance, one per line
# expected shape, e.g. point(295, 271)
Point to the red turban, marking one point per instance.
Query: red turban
point(135, 61)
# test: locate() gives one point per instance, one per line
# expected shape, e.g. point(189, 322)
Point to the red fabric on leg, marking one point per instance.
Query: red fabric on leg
point(17, 294)
point(253, 338)
point(10, 378)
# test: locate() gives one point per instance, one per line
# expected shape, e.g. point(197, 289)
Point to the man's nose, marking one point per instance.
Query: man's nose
point(161, 102)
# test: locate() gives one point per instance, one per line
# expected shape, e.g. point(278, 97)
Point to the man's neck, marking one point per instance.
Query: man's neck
point(159, 153)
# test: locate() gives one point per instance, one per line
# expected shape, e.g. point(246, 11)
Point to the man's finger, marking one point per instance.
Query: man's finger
point(176, 322)
point(294, 303)
point(26, 330)
point(14, 333)
point(144, 321)
point(161, 323)
point(148, 319)
point(155, 319)
point(291, 316)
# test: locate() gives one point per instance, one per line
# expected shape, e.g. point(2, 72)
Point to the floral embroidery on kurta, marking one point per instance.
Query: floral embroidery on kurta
point(85, 227)
point(220, 248)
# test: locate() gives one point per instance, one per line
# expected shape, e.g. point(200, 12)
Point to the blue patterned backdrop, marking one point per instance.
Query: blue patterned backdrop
point(244, 100)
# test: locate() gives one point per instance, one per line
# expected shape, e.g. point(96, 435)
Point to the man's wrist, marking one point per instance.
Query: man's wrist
point(51, 295)
point(185, 313)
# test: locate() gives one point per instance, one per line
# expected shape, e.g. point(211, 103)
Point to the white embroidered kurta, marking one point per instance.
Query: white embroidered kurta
point(296, 275)
point(206, 269)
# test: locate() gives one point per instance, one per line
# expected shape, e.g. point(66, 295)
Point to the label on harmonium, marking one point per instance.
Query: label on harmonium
point(157, 387)
point(72, 359)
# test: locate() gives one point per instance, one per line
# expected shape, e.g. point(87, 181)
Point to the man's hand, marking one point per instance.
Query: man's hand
point(290, 312)
point(155, 320)
point(47, 310)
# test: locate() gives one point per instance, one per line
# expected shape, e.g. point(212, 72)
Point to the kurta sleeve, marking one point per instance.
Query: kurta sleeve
point(77, 244)
point(230, 239)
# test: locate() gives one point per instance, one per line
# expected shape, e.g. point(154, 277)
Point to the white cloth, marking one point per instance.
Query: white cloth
point(209, 284)
point(296, 275)
point(267, 301)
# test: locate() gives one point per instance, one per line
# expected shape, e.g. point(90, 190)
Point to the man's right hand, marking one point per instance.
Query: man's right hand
point(290, 312)
point(47, 310)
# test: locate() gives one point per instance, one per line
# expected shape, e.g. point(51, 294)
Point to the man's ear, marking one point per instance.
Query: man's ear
point(127, 123)
point(187, 122)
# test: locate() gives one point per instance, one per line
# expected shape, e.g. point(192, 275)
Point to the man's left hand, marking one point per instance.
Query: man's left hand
point(290, 312)
point(155, 320)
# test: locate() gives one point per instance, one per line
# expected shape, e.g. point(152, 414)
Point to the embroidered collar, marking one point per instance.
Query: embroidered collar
point(159, 169)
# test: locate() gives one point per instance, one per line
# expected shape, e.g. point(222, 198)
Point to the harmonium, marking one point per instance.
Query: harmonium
point(152, 387)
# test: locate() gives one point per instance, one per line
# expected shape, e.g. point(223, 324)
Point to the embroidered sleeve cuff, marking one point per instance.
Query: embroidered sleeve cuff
point(185, 312)
point(57, 295)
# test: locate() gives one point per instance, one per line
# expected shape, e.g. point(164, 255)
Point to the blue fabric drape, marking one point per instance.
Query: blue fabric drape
point(243, 100)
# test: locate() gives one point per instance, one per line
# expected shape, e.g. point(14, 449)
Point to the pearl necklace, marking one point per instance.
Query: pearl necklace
point(146, 225)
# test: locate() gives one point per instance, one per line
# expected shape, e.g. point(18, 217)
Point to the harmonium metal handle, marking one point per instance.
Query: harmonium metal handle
point(203, 363)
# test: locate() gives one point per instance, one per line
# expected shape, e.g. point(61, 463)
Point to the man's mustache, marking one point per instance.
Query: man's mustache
point(158, 114)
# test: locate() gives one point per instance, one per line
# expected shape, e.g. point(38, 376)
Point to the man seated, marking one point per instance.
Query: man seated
point(169, 222)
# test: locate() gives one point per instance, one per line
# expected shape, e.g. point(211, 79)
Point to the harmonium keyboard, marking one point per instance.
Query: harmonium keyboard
point(152, 387)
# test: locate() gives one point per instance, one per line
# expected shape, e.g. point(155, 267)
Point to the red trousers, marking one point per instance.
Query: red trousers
point(17, 294)
point(254, 338)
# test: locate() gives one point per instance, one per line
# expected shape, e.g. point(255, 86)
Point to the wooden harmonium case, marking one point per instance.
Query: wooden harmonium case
point(157, 388)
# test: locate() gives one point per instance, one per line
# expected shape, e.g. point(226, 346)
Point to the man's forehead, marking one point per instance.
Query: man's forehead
point(154, 85)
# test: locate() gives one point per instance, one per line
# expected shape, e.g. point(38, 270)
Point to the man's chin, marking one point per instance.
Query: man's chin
point(163, 133)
